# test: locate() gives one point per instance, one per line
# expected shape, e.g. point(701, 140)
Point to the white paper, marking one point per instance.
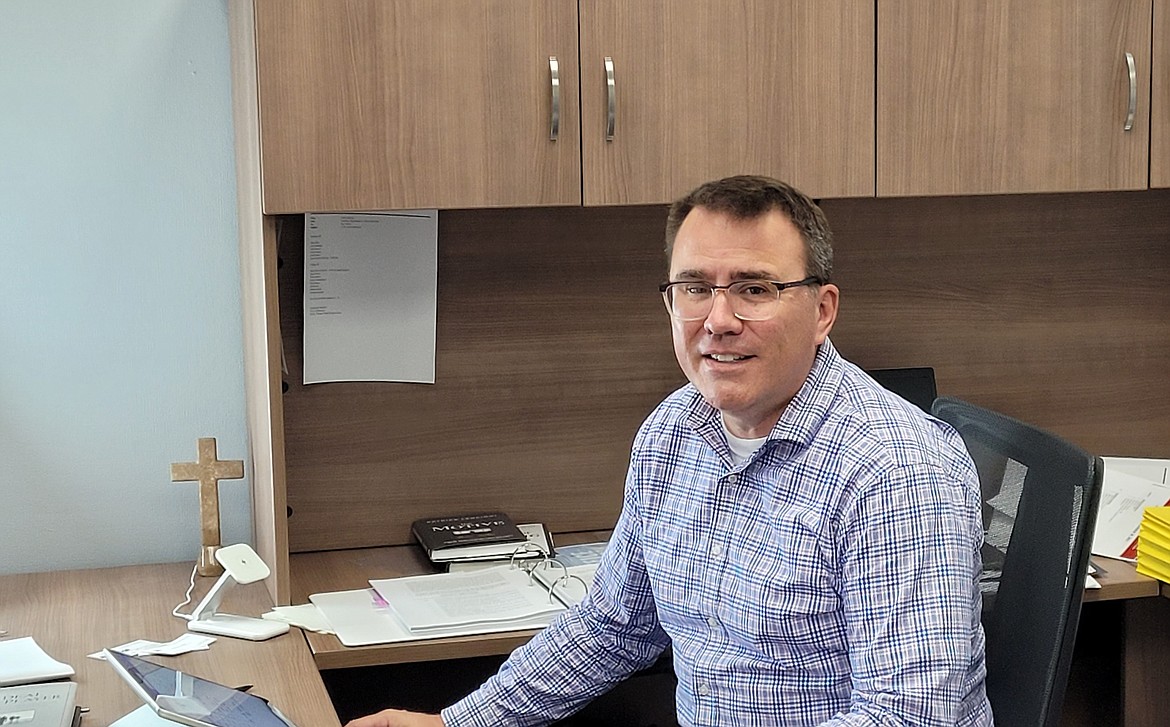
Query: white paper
point(1155, 470)
point(144, 716)
point(445, 600)
point(1124, 498)
point(182, 644)
point(370, 296)
point(307, 616)
point(361, 618)
point(23, 661)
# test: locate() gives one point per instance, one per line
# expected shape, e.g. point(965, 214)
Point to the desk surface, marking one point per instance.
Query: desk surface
point(1120, 581)
point(341, 570)
point(75, 613)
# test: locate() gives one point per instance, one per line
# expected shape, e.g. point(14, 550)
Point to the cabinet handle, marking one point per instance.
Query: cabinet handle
point(554, 70)
point(611, 92)
point(1132, 91)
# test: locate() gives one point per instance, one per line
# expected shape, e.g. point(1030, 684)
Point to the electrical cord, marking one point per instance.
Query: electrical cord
point(186, 597)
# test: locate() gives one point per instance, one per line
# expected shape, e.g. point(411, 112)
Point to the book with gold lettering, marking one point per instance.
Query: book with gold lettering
point(461, 537)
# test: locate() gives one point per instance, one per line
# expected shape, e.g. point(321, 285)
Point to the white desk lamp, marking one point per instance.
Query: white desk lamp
point(241, 565)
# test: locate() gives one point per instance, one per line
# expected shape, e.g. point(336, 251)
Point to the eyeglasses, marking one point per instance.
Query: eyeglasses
point(751, 300)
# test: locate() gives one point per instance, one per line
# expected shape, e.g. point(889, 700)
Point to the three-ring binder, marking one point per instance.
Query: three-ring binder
point(562, 582)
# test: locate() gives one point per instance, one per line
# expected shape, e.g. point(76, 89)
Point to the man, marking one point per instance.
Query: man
point(807, 542)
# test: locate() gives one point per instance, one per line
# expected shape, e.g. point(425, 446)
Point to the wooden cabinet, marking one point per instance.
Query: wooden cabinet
point(394, 104)
point(1160, 95)
point(707, 89)
point(1003, 96)
point(380, 104)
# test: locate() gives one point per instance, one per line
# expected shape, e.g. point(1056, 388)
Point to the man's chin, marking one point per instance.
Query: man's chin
point(721, 398)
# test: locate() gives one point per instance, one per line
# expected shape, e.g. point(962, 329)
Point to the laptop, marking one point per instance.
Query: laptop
point(189, 700)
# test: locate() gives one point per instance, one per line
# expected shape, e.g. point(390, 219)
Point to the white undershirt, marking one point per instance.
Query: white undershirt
point(741, 449)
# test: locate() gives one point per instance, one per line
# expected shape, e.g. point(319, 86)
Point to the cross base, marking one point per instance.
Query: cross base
point(208, 565)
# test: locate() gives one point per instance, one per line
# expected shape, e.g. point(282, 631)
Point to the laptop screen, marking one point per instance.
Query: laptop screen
point(176, 694)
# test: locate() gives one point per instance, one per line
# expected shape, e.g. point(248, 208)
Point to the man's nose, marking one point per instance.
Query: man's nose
point(721, 318)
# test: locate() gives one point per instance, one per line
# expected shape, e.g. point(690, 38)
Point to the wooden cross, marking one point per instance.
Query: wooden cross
point(208, 471)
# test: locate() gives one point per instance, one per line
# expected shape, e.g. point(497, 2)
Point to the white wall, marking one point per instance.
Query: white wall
point(120, 340)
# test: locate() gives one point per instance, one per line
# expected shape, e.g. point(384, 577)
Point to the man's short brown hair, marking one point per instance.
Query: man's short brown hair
point(746, 197)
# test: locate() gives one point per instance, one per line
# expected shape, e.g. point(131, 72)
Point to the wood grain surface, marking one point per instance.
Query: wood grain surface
point(75, 613)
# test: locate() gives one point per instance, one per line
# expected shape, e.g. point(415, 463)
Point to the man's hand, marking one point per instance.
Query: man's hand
point(398, 718)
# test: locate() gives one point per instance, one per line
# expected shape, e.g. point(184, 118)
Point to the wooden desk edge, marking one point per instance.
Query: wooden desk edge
point(1120, 581)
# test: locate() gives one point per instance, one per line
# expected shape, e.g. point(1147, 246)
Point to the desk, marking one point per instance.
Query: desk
point(1143, 654)
point(1144, 649)
point(74, 613)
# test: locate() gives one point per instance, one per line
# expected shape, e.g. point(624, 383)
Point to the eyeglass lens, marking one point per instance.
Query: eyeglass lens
point(751, 300)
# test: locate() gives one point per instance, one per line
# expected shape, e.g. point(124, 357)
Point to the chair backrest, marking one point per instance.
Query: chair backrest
point(915, 384)
point(1040, 497)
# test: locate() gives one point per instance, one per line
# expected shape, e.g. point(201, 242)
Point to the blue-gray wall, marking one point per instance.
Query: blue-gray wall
point(120, 339)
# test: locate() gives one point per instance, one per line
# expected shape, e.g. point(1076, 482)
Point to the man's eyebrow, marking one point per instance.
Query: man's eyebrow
point(752, 275)
point(738, 275)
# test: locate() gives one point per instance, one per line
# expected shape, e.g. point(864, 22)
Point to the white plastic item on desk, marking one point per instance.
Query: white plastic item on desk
point(241, 565)
point(23, 661)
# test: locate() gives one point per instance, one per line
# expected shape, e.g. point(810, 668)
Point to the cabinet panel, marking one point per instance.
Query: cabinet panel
point(706, 89)
point(376, 104)
point(1008, 96)
point(1160, 95)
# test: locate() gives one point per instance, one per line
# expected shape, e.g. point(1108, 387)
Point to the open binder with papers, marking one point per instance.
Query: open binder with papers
point(517, 596)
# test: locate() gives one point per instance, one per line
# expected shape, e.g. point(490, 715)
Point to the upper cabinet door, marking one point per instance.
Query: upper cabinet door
point(395, 104)
point(1009, 96)
point(1160, 111)
point(703, 89)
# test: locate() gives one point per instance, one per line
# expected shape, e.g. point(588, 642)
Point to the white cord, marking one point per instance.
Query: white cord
point(186, 597)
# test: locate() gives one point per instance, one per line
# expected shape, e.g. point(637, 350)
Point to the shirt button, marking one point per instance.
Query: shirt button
point(733, 479)
point(703, 690)
point(717, 550)
point(713, 622)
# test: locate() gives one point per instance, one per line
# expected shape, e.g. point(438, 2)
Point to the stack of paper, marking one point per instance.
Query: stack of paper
point(1130, 487)
point(1153, 550)
point(501, 597)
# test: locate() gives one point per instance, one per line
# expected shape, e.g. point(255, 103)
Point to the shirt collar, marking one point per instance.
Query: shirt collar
point(803, 416)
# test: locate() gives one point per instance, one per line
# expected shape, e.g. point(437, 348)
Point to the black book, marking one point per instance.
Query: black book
point(443, 537)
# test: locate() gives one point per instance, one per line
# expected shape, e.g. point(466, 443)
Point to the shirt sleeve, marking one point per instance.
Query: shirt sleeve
point(910, 563)
point(584, 652)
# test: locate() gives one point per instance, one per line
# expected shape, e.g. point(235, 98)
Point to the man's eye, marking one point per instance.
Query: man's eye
point(696, 289)
point(753, 290)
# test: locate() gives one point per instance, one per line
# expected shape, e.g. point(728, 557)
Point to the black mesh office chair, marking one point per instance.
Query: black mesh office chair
point(915, 384)
point(1040, 497)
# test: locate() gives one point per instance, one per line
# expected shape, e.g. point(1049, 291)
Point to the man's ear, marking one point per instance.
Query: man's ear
point(828, 296)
